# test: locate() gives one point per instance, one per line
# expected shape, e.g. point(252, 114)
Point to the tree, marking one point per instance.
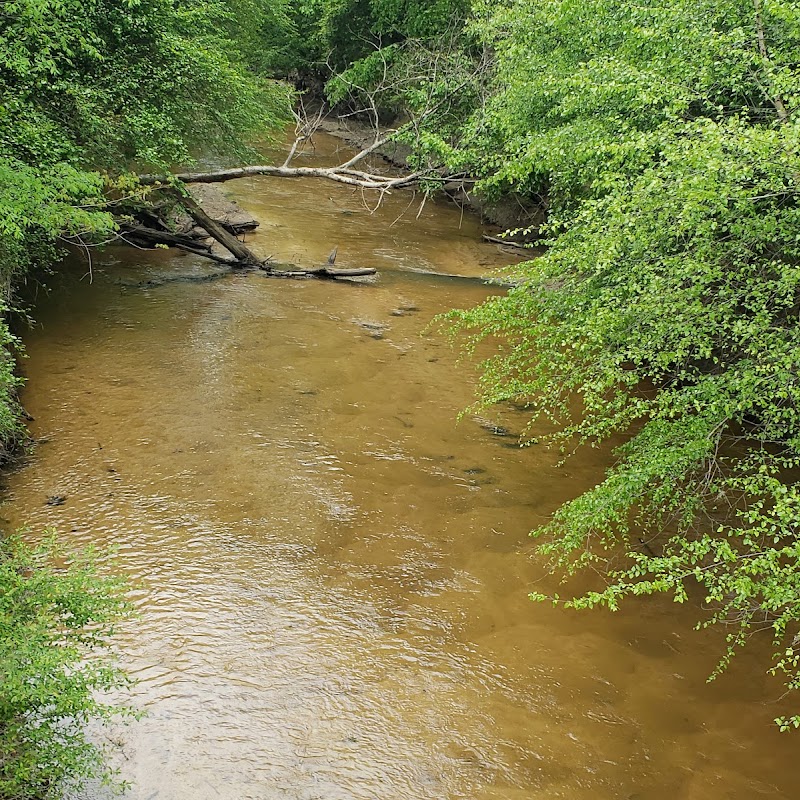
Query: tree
point(662, 139)
point(89, 88)
point(342, 32)
point(106, 83)
point(55, 625)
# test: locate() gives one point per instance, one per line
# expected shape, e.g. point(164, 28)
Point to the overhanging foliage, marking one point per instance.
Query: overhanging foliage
point(54, 627)
point(668, 301)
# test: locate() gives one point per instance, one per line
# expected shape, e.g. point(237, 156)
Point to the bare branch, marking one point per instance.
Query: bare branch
point(305, 128)
point(363, 180)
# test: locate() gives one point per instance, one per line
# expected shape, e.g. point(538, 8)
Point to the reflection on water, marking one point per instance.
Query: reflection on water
point(330, 571)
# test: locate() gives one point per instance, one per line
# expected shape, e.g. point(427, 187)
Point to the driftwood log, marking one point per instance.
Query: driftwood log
point(243, 255)
point(507, 242)
point(326, 271)
point(150, 229)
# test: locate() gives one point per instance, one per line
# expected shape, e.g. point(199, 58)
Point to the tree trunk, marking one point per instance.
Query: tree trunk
point(244, 255)
point(776, 99)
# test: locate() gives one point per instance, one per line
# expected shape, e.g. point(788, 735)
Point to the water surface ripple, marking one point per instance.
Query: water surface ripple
point(331, 571)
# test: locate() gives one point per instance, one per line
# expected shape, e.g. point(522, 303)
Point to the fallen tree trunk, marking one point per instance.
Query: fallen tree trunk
point(340, 174)
point(345, 173)
point(243, 255)
point(322, 272)
point(212, 199)
point(130, 232)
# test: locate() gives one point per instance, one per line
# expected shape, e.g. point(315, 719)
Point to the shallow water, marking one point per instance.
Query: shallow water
point(331, 571)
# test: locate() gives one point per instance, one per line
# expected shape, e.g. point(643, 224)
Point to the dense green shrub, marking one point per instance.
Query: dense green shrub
point(667, 305)
point(55, 624)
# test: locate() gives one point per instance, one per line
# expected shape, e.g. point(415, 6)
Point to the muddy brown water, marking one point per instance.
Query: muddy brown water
point(331, 571)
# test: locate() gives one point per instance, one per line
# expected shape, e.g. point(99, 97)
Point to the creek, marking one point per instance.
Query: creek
point(330, 569)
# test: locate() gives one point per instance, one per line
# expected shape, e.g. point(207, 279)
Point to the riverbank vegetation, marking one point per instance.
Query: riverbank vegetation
point(55, 625)
point(660, 141)
point(90, 89)
point(663, 141)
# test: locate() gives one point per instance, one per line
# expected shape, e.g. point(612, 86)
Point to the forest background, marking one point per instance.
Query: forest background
point(658, 141)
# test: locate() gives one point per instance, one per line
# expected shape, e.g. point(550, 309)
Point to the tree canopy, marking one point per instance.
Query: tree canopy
point(90, 89)
point(102, 86)
point(662, 139)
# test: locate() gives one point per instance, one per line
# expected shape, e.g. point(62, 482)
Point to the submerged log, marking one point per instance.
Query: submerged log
point(484, 280)
point(330, 272)
point(162, 280)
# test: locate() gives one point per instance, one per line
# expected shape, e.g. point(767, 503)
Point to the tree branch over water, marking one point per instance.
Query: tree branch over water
point(428, 168)
point(344, 173)
point(339, 174)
